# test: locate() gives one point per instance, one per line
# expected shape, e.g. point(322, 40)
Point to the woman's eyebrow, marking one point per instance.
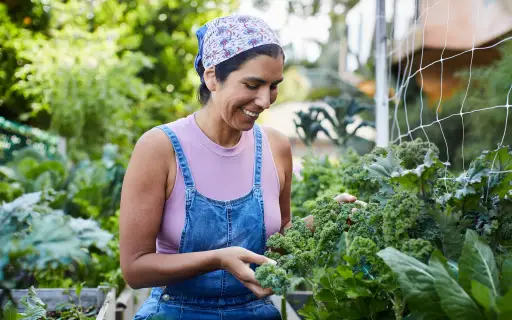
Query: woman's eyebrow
point(261, 81)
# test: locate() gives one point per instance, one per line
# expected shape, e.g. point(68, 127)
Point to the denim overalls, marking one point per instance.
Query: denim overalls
point(211, 224)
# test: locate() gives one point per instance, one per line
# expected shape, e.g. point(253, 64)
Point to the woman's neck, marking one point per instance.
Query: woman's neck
point(215, 128)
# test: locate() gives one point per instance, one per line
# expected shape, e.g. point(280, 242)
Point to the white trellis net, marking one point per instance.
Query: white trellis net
point(453, 122)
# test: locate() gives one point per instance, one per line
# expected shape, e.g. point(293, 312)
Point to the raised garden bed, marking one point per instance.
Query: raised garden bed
point(98, 302)
point(294, 302)
point(129, 302)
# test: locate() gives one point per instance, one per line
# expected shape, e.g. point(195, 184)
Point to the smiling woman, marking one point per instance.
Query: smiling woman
point(202, 194)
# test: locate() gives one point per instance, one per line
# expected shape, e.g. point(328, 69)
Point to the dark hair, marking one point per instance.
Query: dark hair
point(223, 69)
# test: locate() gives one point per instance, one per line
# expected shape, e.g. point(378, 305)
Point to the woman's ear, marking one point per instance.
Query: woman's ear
point(209, 79)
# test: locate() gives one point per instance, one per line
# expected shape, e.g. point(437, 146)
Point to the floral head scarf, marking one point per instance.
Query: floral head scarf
point(225, 37)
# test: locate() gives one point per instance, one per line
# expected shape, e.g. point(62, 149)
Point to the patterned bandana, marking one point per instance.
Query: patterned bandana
point(223, 38)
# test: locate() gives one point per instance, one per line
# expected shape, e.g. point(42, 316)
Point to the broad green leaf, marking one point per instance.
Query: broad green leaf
point(324, 281)
point(476, 173)
point(506, 274)
point(344, 272)
point(384, 167)
point(90, 233)
point(24, 166)
point(54, 242)
point(10, 312)
point(452, 238)
point(424, 172)
point(504, 306)
point(35, 307)
point(482, 295)
point(26, 201)
point(325, 295)
point(477, 263)
point(43, 181)
point(56, 168)
point(416, 281)
point(464, 192)
point(500, 161)
point(8, 173)
point(455, 302)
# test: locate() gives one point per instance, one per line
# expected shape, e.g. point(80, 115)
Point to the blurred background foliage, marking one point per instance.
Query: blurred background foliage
point(97, 74)
point(100, 71)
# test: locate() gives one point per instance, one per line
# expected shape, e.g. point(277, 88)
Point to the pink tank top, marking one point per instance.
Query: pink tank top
point(219, 173)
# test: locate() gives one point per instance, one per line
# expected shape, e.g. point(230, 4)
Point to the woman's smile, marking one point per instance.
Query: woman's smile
point(250, 114)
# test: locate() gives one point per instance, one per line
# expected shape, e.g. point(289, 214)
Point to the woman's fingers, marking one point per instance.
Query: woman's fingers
point(345, 197)
point(258, 290)
point(258, 259)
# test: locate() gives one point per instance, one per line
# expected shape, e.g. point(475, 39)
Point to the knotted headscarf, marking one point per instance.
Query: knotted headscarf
point(225, 37)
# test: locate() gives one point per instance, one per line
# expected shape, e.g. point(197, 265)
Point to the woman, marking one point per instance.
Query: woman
point(202, 194)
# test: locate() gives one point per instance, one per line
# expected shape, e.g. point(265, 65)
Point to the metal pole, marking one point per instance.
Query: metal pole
point(381, 80)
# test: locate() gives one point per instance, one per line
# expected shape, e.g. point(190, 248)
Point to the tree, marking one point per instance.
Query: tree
point(102, 71)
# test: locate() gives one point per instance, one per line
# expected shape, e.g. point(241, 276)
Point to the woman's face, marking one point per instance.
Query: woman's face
point(249, 91)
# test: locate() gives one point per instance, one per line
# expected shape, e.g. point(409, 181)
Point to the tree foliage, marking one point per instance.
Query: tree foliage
point(98, 72)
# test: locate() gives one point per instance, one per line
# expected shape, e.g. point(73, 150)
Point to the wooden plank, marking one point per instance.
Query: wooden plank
point(53, 297)
point(103, 298)
point(108, 309)
point(124, 304)
point(130, 301)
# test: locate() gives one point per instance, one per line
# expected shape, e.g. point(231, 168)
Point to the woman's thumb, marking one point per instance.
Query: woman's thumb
point(258, 259)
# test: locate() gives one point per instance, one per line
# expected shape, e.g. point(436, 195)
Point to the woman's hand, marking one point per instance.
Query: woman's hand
point(345, 198)
point(237, 260)
point(341, 198)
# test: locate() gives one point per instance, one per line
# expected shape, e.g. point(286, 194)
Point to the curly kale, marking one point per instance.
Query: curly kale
point(356, 179)
point(292, 251)
point(271, 276)
point(400, 215)
point(298, 249)
point(363, 252)
point(412, 153)
point(418, 248)
point(367, 222)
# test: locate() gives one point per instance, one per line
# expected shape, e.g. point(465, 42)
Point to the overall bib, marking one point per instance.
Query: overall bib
point(212, 224)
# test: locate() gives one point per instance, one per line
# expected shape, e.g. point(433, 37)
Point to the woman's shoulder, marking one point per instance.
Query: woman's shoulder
point(280, 146)
point(155, 136)
point(156, 142)
point(278, 141)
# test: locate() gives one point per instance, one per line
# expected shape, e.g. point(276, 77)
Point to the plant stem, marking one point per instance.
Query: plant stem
point(398, 306)
point(284, 314)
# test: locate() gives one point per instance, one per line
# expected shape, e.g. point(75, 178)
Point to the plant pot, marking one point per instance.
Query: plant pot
point(102, 298)
point(130, 301)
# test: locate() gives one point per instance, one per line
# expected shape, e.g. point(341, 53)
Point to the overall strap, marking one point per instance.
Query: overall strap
point(182, 160)
point(258, 155)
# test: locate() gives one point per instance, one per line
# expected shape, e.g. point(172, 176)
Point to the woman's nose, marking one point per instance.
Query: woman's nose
point(263, 99)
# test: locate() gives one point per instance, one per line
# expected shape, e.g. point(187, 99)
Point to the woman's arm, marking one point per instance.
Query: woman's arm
point(151, 169)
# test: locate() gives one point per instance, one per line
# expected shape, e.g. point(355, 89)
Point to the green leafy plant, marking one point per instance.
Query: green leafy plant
point(83, 66)
point(36, 237)
point(474, 288)
point(344, 109)
point(414, 205)
point(35, 309)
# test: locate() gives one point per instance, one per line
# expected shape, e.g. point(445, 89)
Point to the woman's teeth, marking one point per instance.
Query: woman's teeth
point(249, 113)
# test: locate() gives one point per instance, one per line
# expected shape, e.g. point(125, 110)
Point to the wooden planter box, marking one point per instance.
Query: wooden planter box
point(294, 302)
point(102, 297)
point(297, 300)
point(129, 302)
